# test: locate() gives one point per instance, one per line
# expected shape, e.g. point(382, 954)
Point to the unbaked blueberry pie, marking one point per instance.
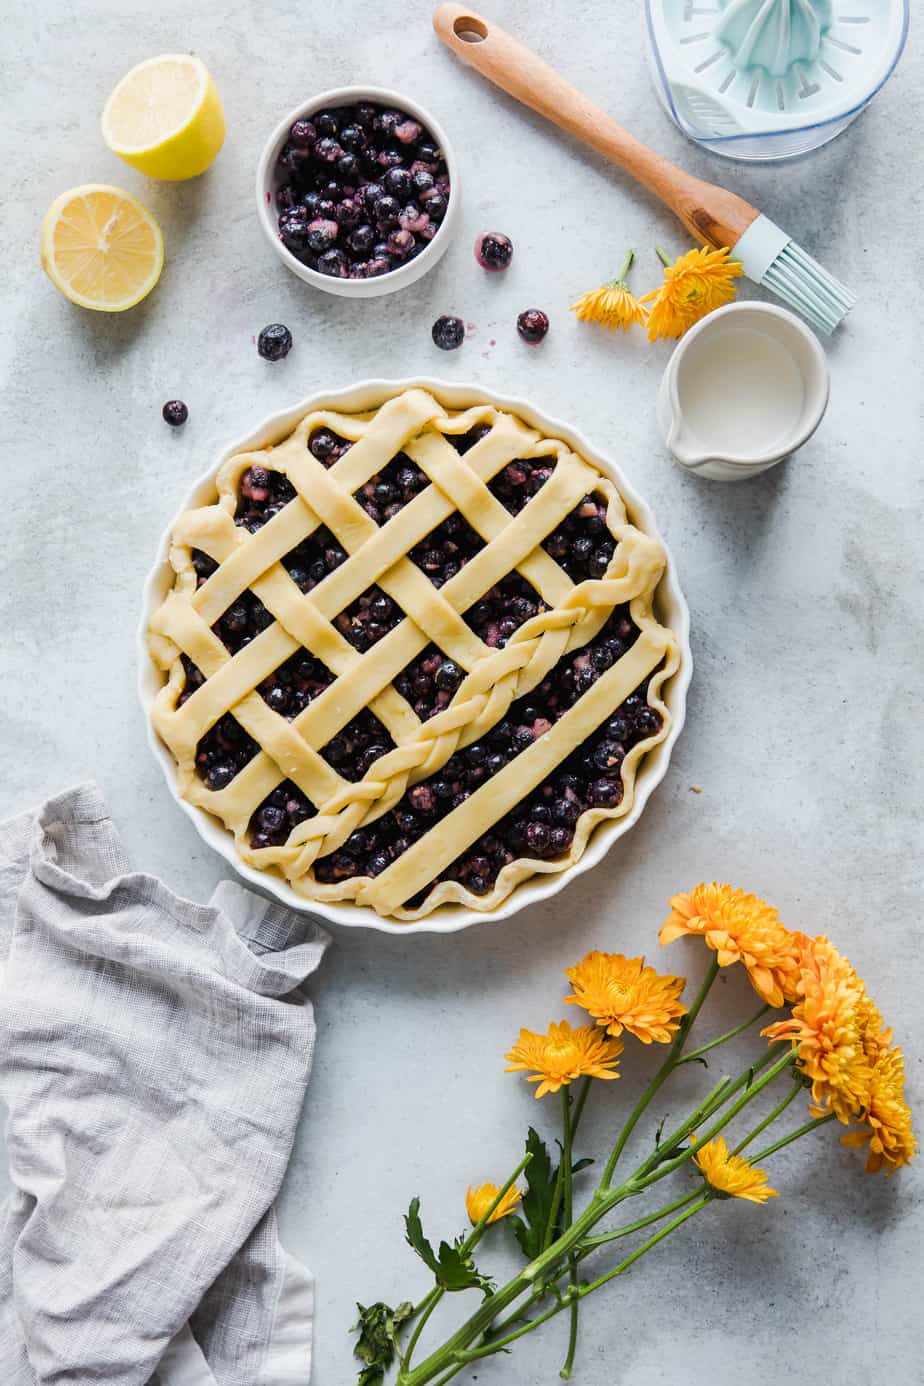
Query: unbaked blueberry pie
point(411, 657)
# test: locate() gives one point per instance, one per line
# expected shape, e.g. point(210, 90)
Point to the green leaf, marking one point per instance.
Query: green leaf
point(453, 1268)
point(378, 1326)
point(581, 1164)
point(416, 1239)
point(537, 1200)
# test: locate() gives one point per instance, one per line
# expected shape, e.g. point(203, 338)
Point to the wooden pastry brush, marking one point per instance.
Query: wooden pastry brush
point(719, 218)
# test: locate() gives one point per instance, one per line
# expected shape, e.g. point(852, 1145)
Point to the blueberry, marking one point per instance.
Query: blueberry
point(401, 243)
point(435, 207)
point(220, 774)
point(371, 193)
point(285, 197)
point(311, 203)
point(333, 263)
point(408, 131)
point(293, 229)
point(493, 251)
point(327, 150)
point(327, 123)
point(387, 211)
point(647, 722)
point(365, 115)
point(390, 158)
point(175, 413)
point(448, 333)
point(604, 793)
point(533, 325)
point(397, 183)
point(422, 181)
point(377, 863)
point(478, 884)
point(327, 208)
point(377, 265)
point(271, 819)
point(348, 214)
point(353, 137)
point(386, 122)
point(448, 676)
point(560, 840)
point(599, 562)
point(361, 239)
point(277, 698)
point(348, 167)
point(322, 443)
point(427, 152)
point(321, 235)
point(274, 342)
point(303, 134)
point(537, 837)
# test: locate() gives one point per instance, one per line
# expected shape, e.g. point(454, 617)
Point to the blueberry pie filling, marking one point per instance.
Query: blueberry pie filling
point(412, 657)
point(360, 190)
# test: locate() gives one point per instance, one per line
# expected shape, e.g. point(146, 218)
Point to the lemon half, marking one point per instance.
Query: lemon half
point(101, 248)
point(165, 118)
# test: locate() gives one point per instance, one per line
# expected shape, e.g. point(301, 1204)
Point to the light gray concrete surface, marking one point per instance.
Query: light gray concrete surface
point(804, 731)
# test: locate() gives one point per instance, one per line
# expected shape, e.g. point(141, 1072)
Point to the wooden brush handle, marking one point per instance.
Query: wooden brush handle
point(709, 213)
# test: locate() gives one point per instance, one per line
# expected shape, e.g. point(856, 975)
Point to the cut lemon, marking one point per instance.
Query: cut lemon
point(165, 118)
point(101, 248)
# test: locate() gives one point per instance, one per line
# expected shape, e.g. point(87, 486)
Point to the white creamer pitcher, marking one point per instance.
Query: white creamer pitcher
point(745, 388)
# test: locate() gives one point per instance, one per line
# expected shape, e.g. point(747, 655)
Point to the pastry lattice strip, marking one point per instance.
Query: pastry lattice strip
point(252, 561)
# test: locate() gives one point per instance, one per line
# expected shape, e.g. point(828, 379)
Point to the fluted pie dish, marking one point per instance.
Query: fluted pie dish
point(413, 655)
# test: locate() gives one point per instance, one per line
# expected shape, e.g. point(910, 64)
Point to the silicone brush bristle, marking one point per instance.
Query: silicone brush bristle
point(799, 280)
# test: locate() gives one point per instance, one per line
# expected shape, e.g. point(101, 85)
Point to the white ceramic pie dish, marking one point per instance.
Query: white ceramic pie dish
point(268, 181)
point(671, 608)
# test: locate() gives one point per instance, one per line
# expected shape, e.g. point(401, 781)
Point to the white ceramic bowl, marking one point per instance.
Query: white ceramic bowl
point(268, 181)
point(672, 609)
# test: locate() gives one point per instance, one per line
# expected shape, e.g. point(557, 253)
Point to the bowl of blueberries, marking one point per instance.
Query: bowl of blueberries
point(357, 191)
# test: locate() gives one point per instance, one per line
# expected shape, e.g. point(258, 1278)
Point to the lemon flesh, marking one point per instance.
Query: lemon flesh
point(165, 118)
point(101, 248)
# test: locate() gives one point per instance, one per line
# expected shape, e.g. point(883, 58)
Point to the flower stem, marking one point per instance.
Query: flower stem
point(618, 282)
point(566, 1161)
point(663, 1073)
point(591, 1244)
point(793, 1136)
point(784, 1061)
point(430, 1300)
point(722, 1039)
point(697, 1207)
point(778, 1110)
point(663, 257)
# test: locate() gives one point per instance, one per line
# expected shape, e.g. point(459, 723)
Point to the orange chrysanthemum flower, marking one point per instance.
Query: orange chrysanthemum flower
point(563, 1055)
point(836, 1030)
point(886, 1124)
point(693, 286)
point(731, 1174)
point(478, 1201)
point(613, 305)
point(740, 928)
point(623, 994)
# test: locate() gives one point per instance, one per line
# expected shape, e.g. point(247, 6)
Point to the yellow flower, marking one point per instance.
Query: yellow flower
point(563, 1055)
point(623, 994)
point(479, 1200)
point(835, 1029)
point(740, 928)
point(886, 1124)
point(693, 286)
point(613, 304)
point(731, 1174)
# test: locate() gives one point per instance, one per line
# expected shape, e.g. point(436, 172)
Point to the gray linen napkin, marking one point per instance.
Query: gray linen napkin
point(153, 1057)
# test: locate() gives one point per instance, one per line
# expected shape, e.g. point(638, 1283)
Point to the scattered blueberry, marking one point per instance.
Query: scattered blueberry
point(493, 251)
point(448, 333)
point(175, 413)
point(274, 342)
point(532, 325)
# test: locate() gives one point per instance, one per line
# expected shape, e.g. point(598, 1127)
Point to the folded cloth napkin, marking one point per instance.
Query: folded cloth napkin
point(153, 1057)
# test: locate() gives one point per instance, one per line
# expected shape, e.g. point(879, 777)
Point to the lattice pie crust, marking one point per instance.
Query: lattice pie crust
point(417, 424)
